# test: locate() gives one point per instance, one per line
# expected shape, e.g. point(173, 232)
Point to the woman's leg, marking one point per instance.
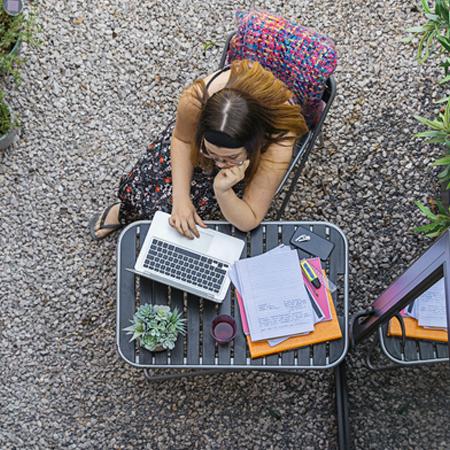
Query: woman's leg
point(106, 224)
point(142, 191)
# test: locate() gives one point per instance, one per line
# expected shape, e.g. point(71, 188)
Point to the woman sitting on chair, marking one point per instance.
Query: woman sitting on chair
point(229, 149)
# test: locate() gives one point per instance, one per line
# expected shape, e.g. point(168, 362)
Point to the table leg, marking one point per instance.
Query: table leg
point(342, 408)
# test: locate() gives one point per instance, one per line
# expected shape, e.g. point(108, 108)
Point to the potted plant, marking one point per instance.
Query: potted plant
point(14, 30)
point(8, 124)
point(156, 327)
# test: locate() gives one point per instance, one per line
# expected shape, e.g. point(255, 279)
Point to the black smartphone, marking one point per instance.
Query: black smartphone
point(311, 243)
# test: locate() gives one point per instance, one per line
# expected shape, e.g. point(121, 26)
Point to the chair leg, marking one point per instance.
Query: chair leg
point(371, 364)
point(344, 442)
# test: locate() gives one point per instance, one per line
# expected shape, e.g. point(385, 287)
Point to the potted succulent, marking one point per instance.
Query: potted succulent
point(14, 30)
point(8, 124)
point(156, 327)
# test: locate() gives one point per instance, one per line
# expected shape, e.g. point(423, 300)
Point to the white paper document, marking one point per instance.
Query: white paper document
point(275, 298)
point(430, 306)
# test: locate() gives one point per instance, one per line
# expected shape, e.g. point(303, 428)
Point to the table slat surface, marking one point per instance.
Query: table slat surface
point(337, 268)
point(320, 350)
point(288, 358)
point(414, 351)
point(127, 294)
point(240, 341)
point(198, 348)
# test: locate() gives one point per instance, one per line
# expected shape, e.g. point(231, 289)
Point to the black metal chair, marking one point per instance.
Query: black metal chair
point(402, 351)
point(304, 145)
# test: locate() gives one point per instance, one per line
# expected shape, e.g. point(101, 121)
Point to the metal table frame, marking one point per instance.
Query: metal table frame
point(222, 359)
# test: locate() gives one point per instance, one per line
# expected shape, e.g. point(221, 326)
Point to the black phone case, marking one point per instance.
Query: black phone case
point(316, 246)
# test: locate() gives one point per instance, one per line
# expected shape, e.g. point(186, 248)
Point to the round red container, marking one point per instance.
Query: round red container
point(223, 329)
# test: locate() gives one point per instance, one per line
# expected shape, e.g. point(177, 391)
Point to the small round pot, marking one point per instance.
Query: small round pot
point(7, 139)
point(159, 348)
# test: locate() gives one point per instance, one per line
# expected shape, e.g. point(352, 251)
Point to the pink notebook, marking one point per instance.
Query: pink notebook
point(243, 315)
point(319, 294)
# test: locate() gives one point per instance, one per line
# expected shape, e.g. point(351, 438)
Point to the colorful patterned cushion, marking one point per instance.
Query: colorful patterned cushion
point(300, 57)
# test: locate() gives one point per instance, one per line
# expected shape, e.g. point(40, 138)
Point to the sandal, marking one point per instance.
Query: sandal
point(94, 219)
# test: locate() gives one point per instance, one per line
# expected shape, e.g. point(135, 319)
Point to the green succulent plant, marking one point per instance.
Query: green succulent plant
point(156, 326)
point(5, 117)
point(434, 31)
point(23, 28)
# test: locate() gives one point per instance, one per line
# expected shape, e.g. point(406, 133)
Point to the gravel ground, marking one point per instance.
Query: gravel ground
point(99, 89)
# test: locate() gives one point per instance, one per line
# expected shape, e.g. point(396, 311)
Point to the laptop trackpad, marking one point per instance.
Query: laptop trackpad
point(200, 245)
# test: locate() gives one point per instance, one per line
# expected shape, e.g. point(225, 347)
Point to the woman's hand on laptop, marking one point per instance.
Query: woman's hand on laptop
point(184, 218)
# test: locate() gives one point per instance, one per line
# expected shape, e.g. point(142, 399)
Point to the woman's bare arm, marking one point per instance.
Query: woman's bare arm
point(247, 213)
point(182, 170)
point(184, 216)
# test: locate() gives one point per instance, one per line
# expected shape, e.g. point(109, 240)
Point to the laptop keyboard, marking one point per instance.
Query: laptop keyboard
point(185, 265)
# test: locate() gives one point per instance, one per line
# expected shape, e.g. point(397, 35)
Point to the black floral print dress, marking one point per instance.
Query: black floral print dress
point(147, 188)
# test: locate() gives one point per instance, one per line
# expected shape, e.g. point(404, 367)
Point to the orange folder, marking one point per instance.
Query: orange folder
point(413, 331)
point(323, 332)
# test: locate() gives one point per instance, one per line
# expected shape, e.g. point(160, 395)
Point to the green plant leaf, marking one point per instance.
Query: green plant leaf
point(434, 124)
point(436, 140)
point(425, 6)
point(432, 17)
point(447, 115)
point(427, 228)
point(442, 161)
point(423, 49)
point(442, 100)
point(437, 233)
point(208, 45)
point(437, 7)
point(426, 134)
point(444, 80)
point(444, 175)
point(418, 29)
point(426, 211)
point(445, 65)
point(441, 207)
point(444, 42)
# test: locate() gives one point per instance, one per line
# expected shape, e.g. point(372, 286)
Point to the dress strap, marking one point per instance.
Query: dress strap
point(172, 122)
point(217, 74)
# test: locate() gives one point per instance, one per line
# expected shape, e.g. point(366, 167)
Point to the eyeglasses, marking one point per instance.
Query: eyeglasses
point(229, 161)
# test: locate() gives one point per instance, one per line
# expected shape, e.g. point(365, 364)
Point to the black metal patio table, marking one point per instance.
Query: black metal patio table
point(197, 350)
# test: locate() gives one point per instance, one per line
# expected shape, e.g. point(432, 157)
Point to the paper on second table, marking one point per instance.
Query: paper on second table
point(431, 306)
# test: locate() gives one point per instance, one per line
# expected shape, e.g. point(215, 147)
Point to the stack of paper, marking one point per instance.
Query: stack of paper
point(279, 309)
point(276, 301)
point(425, 318)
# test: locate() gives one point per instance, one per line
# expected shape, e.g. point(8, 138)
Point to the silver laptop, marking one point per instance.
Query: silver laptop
point(199, 266)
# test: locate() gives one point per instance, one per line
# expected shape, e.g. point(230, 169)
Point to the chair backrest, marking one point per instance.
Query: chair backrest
point(306, 143)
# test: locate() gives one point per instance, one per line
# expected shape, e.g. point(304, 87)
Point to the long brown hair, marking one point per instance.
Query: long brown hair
point(252, 109)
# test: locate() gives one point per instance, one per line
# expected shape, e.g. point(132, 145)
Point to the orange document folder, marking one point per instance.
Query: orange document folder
point(413, 331)
point(323, 332)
